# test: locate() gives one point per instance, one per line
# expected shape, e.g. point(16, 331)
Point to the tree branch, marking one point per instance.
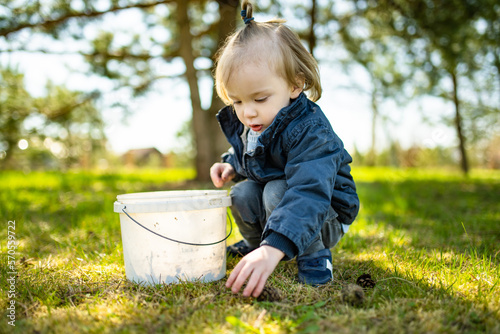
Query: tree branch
point(117, 56)
point(89, 14)
point(52, 114)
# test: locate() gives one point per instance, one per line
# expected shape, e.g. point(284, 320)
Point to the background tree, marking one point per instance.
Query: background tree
point(187, 30)
point(69, 125)
point(345, 25)
point(208, 138)
point(15, 106)
point(196, 29)
point(453, 46)
point(373, 47)
point(62, 125)
point(449, 48)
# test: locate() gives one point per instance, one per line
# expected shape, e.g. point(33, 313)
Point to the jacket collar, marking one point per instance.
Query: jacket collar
point(233, 128)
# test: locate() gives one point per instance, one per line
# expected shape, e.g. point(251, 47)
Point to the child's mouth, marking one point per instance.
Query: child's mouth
point(256, 128)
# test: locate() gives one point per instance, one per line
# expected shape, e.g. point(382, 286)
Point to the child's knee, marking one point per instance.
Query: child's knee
point(244, 191)
point(273, 193)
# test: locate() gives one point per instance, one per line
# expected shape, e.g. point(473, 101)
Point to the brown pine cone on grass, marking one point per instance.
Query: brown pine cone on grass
point(365, 281)
point(269, 294)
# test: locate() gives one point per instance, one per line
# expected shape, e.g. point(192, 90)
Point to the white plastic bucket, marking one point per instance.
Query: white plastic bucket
point(172, 236)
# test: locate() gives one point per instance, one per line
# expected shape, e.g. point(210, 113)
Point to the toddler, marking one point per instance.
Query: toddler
point(295, 196)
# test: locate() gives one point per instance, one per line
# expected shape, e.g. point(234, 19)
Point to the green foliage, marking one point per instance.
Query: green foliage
point(135, 57)
point(61, 128)
point(413, 157)
point(428, 238)
point(484, 154)
point(448, 49)
point(15, 106)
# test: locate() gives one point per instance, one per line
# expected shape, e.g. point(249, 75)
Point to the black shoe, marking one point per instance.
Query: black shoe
point(239, 249)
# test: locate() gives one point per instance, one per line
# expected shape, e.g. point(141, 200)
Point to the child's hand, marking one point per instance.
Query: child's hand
point(257, 265)
point(221, 173)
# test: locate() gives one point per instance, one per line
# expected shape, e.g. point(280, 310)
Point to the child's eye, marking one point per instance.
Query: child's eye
point(262, 99)
point(236, 102)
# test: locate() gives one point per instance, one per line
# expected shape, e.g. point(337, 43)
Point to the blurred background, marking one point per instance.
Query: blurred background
point(106, 84)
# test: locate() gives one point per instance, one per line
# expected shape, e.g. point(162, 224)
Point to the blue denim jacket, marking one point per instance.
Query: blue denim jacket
point(300, 147)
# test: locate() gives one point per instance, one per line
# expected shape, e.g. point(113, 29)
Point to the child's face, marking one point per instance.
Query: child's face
point(258, 94)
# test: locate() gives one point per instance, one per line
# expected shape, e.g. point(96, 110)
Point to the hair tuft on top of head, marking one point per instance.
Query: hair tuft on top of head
point(247, 11)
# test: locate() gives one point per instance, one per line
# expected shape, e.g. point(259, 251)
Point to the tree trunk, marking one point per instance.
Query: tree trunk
point(227, 24)
point(312, 34)
point(458, 126)
point(208, 138)
point(371, 161)
point(200, 130)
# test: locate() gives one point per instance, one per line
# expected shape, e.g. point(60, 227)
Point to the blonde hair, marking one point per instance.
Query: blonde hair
point(284, 53)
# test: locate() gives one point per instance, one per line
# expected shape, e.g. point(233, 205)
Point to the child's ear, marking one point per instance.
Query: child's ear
point(298, 87)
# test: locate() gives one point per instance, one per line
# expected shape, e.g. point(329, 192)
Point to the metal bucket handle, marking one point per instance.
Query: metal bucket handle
point(181, 242)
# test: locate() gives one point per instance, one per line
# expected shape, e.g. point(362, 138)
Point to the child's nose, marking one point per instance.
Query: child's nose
point(249, 111)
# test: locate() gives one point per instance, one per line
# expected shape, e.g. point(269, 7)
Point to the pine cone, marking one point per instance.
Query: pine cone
point(269, 294)
point(365, 281)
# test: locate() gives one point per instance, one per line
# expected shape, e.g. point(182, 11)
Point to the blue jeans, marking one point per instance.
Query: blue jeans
point(253, 203)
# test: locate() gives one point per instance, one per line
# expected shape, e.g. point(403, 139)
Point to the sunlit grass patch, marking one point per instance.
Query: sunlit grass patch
point(428, 238)
point(384, 174)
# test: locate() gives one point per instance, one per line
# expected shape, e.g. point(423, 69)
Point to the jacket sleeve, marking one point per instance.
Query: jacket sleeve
point(314, 155)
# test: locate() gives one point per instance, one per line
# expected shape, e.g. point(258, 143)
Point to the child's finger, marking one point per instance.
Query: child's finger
point(215, 175)
point(252, 283)
point(234, 275)
point(260, 286)
point(226, 174)
point(241, 277)
point(255, 286)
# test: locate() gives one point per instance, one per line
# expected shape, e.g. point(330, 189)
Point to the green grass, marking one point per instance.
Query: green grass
point(429, 238)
